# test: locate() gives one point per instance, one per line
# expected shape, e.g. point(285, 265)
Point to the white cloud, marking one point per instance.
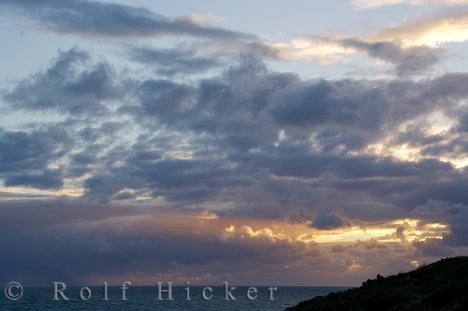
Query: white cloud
point(370, 4)
point(434, 30)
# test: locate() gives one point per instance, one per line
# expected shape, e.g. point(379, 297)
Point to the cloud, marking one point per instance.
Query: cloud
point(198, 178)
point(72, 84)
point(370, 4)
point(463, 122)
point(431, 30)
point(458, 230)
point(434, 248)
point(326, 221)
point(84, 239)
point(309, 165)
point(366, 107)
point(112, 20)
point(25, 158)
point(115, 20)
point(439, 208)
point(49, 179)
point(199, 162)
point(264, 151)
point(407, 61)
point(246, 232)
point(169, 62)
point(412, 47)
point(253, 122)
point(454, 214)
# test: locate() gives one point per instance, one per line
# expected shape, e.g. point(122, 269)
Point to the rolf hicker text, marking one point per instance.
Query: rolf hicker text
point(163, 292)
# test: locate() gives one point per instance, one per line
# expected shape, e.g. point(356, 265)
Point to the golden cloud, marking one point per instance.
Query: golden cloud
point(370, 4)
point(445, 27)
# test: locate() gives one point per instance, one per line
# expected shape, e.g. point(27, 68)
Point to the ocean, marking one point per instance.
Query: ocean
point(145, 298)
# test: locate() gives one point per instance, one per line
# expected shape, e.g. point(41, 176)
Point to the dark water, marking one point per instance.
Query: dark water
point(145, 298)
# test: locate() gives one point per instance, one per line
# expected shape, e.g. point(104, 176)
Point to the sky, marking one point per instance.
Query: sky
point(254, 142)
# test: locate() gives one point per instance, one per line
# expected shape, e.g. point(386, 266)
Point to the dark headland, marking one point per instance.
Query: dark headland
point(442, 285)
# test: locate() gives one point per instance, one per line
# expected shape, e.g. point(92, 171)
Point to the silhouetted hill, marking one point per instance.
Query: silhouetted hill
point(442, 285)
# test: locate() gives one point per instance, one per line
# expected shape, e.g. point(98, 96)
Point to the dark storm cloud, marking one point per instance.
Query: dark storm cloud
point(76, 241)
point(452, 142)
point(72, 84)
point(170, 62)
point(463, 122)
point(456, 146)
point(245, 109)
point(452, 210)
point(25, 157)
point(295, 162)
point(176, 173)
point(75, 255)
point(49, 179)
point(416, 136)
point(267, 145)
point(458, 230)
point(20, 150)
point(112, 20)
point(248, 142)
point(248, 105)
point(355, 112)
point(445, 188)
point(438, 208)
point(325, 221)
point(166, 100)
point(407, 60)
point(230, 107)
point(389, 198)
point(229, 115)
point(188, 180)
point(434, 248)
point(315, 103)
